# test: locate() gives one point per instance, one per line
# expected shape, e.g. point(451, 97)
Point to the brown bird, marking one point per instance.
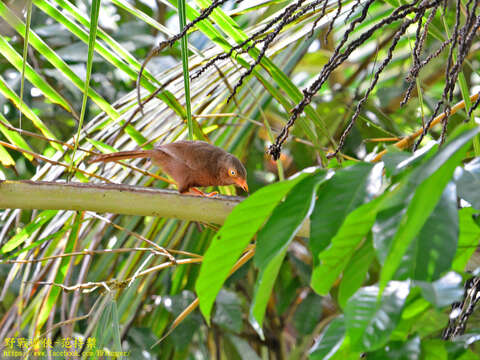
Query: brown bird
point(190, 164)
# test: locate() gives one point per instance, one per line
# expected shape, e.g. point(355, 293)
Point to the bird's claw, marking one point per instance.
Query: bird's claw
point(195, 191)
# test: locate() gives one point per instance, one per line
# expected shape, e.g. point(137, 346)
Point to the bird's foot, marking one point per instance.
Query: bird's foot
point(196, 191)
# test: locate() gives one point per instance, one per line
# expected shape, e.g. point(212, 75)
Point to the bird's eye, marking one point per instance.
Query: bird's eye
point(233, 172)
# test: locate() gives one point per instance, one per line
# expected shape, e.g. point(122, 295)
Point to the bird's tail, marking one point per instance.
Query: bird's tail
point(121, 155)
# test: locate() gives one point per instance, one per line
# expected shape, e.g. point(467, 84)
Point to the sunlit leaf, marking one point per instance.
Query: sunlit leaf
point(370, 320)
point(444, 291)
point(28, 230)
point(233, 237)
point(429, 180)
point(329, 341)
point(336, 199)
point(468, 182)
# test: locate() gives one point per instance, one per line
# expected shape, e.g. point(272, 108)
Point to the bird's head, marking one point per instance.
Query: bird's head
point(233, 172)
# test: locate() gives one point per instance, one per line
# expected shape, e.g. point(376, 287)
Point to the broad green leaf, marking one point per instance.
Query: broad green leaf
point(288, 281)
point(242, 348)
point(228, 311)
point(431, 252)
point(468, 239)
point(434, 349)
point(399, 350)
point(400, 161)
point(308, 314)
point(429, 181)
point(370, 320)
point(468, 182)
point(444, 291)
point(286, 220)
point(274, 238)
point(468, 339)
point(28, 230)
point(237, 231)
point(345, 243)
point(429, 322)
point(355, 272)
point(385, 226)
point(263, 289)
point(329, 341)
point(338, 197)
point(183, 334)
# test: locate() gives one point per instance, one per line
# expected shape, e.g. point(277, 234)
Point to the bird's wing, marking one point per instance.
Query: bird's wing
point(173, 154)
point(192, 154)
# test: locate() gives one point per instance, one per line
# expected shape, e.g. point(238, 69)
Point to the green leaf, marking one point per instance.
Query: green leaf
point(228, 311)
point(428, 322)
point(308, 314)
point(371, 320)
point(329, 341)
point(286, 220)
point(14, 137)
point(29, 113)
point(108, 327)
point(400, 161)
point(28, 230)
point(25, 52)
point(356, 272)
point(235, 234)
point(120, 51)
point(429, 181)
point(61, 271)
point(5, 158)
point(434, 349)
point(431, 252)
point(338, 197)
point(99, 145)
point(138, 137)
point(16, 60)
point(263, 289)
point(241, 347)
point(183, 334)
point(38, 44)
point(232, 29)
point(335, 258)
point(444, 291)
point(399, 350)
point(467, 240)
point(468, 182)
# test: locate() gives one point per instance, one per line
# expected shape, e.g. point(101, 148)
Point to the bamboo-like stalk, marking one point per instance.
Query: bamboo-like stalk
point(118, 199)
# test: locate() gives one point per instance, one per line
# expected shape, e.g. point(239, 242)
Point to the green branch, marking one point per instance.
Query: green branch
point(118, 199)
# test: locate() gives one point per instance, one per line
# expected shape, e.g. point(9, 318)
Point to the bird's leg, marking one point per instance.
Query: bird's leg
point(196, 191)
